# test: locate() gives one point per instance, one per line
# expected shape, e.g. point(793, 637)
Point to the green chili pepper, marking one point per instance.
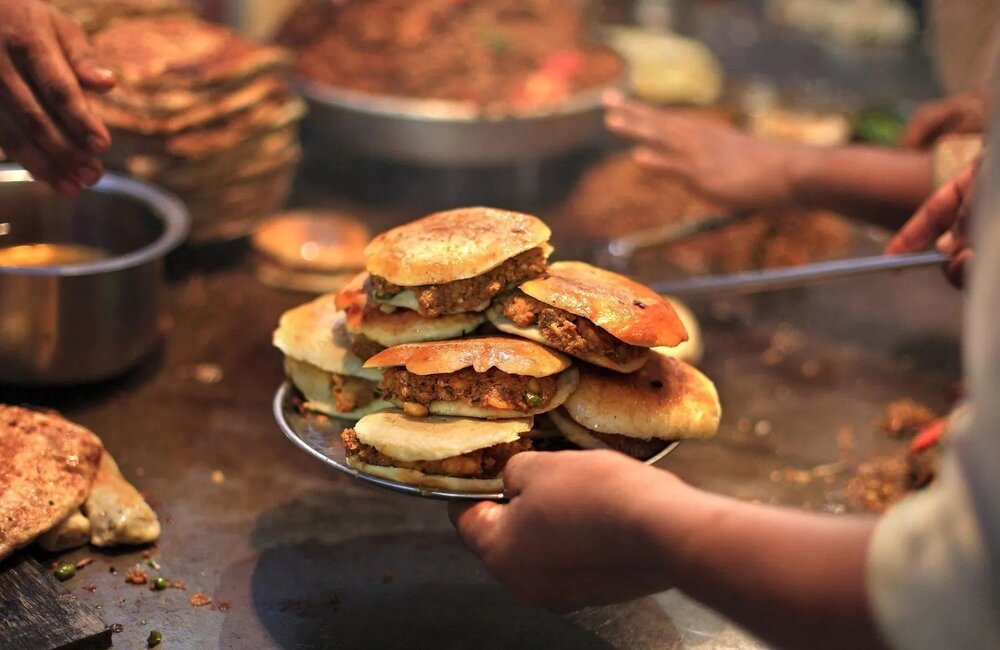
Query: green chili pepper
point(65, 571)
point(534, 400)
point(154, 638)
point(159, 584)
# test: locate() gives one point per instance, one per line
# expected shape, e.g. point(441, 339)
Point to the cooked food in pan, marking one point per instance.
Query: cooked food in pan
point(595, 315)
point(319, 361)
point(618, 196)
point(456, 261)
point(451, 453)
point(483, 377)
point(502, 55)
point(639, 413)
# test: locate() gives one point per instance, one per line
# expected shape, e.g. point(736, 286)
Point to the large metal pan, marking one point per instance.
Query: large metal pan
point(445, 133)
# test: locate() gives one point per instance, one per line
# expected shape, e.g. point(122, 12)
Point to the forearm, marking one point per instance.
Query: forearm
point(795, 579)
point(884, 186)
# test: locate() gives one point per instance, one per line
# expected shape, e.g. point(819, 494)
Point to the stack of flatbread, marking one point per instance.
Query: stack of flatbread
point(95, 15)
point(60, 487)
point(204, 113)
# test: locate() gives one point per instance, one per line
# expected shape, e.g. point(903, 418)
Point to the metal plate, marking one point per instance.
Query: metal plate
point(320, 437)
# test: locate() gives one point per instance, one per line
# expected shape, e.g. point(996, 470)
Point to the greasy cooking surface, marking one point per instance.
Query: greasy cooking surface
point(510, 355)
point(503, 55)
point(630, 311)
point(617, 196)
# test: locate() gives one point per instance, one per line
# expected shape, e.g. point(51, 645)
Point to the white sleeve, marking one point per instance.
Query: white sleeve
point(929, 580)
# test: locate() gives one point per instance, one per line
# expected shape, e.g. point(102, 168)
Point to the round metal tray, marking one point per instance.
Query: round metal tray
point(320, 438)
point(445, 133)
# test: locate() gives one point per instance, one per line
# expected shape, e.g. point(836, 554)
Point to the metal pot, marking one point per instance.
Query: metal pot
point(76, 323)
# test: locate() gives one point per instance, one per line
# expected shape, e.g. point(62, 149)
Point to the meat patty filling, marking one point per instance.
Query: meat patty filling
point(364, 347)
point(634, 447)
point(567, 332)
point(471, 294)
point(485, 463)
point(351, 393)
point(490, 389)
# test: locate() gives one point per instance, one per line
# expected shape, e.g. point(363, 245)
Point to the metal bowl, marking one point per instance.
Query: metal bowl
point(76, 323)
point(445, 133)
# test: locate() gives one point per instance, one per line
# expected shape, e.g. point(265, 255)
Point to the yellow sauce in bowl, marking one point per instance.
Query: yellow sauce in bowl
point(41, 255)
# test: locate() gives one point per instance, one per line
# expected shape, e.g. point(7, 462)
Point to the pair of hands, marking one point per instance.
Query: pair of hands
point(45, 122)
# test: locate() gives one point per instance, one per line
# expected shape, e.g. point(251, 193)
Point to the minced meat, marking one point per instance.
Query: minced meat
point(482, 463)
point(567, 332)
point(490, 389)
point(351, 393)
point(471, 294)
point(634, 447)
point(364, 347)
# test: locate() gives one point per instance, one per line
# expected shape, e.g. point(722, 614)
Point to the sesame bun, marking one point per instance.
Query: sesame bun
point(629, 311)
point(402, 325)
point(453, 245)
point(665, 399)
point(513, 356)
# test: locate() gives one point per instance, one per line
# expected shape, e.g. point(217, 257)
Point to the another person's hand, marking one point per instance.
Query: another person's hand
point(572, 533)
point(716, 159)
point(965, 113)
point(45, 122)
point(942, 221)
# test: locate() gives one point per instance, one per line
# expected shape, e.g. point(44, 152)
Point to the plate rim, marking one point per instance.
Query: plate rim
point(285, 390)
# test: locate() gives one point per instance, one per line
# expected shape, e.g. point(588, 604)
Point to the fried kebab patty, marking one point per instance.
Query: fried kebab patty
point(490, 389)
point(567, 332)
point(351, 393)
point(482, 463)
point(471, 294)
point(364, 347)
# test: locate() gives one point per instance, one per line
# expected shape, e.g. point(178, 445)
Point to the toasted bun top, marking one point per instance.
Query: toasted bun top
point(453, 245)
point(410, 439)
point(314, 333)
point(626, 309)
point(514, 356)
point(665, 399)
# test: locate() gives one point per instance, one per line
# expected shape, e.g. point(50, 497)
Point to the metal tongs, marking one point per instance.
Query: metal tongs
point(795, 276)
point(621, 249)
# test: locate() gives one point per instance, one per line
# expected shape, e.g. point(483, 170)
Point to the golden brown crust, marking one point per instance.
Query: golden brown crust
point(283, 236)
point(628, 310)
point(48, 465)
point(181, 52)
point(511, 355)
point(453, 245)
point(665, 399)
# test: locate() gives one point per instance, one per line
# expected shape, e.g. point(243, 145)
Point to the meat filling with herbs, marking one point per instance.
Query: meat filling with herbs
point(482, 463)
point(471, 294)
point(351, 393)
point(490, 389)
point(364, 347)
point(567, 332)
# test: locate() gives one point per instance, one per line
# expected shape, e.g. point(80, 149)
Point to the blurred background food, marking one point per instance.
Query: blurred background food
point(95, 15)
point(204, 113)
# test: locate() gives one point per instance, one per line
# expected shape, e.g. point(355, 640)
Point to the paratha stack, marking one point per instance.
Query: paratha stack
point(95, 15)
point(461, 337)
point(60, 487)
point(204, 113)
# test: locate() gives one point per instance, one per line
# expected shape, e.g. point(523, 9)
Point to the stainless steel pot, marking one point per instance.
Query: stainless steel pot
point(77, 323)
point(444, 133)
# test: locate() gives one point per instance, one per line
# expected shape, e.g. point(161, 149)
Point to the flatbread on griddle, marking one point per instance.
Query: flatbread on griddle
point(48, 465)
